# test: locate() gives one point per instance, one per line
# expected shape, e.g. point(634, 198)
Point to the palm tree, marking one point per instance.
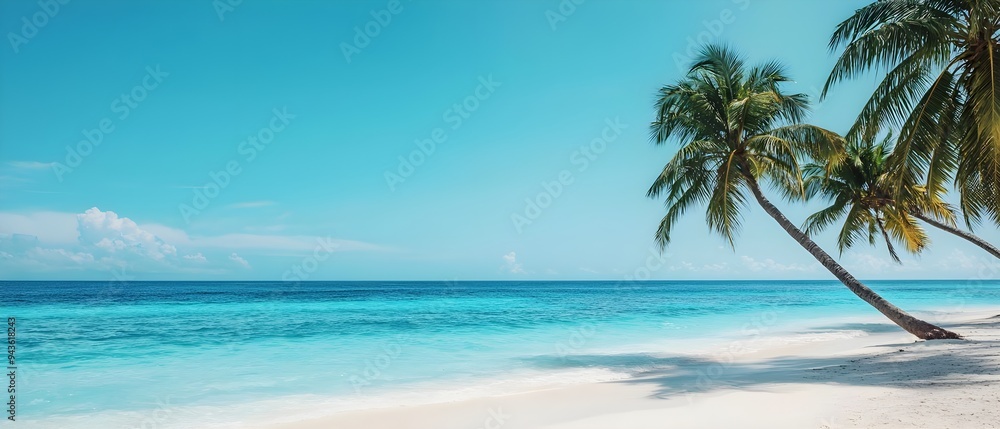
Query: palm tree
point(951, 228)
point(942, 89)
point(857, 190)
point(735, 128)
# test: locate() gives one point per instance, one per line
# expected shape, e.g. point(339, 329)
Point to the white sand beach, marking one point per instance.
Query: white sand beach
point(884, 379)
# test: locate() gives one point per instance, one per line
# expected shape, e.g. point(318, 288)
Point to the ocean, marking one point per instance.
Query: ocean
point(222, 354)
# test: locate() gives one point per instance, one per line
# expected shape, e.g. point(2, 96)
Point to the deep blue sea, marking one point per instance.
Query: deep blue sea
point(215, 354)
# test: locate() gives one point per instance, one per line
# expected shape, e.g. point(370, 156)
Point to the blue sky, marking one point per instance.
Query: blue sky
point(270, 140)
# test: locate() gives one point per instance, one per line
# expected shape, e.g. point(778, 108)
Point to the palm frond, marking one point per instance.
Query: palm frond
point(888, 240)
point(857, 226)
point(734, 126)
point(824, 218)
point(942, 90)
point(979, 166)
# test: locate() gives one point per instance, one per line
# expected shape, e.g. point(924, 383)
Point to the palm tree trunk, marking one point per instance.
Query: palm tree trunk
point(909, 323)
point(970, 237)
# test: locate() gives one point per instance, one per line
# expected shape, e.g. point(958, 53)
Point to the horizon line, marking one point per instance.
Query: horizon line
point(492, 280)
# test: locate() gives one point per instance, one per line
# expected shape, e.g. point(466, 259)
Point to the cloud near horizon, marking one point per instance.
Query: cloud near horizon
point(113, 234)
point(770, 265)
point(103, 240)
point(239, 260)
point(511, 265)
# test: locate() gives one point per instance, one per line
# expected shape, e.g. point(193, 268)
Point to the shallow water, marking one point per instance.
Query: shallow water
point(203, 354)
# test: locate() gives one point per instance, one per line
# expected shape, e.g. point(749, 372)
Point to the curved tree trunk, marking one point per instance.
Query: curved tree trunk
point(970, 237)
point(909, 323)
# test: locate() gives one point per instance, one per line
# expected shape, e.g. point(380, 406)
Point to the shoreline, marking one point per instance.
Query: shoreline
point(871, 380)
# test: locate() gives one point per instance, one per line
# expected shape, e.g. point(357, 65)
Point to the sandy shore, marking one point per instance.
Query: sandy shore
point(885, 379)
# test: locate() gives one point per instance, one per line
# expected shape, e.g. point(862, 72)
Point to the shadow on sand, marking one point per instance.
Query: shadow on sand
point(909, 365)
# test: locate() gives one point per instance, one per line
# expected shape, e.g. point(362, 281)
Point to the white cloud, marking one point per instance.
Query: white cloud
point(239, 260)
point(113, 234)
point(936, 262)
point(267, 228)
point(688, 266)
point(197, 257)
point(18, 242)
point(81, 259)
point(511, 264)
point(716, 267)
point(251, 204)
point(277, 242)
point(959, 259)
point(303, 243)
point(21, 173)
point(771, 265)
point(685, 265)
point(589, 270)
point(51, 228)
point(24, 252)
point(7, 180)
point(103, 240)
point(868, 262)
point(63, 229)
point(30, 165)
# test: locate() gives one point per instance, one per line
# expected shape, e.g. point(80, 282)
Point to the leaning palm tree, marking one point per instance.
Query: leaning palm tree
point(855, 187)
point(858, 192)
point(736, 128)
point(951, 228)
point(942, 90)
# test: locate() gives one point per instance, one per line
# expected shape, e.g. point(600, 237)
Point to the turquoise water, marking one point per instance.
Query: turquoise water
point(204, 354)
